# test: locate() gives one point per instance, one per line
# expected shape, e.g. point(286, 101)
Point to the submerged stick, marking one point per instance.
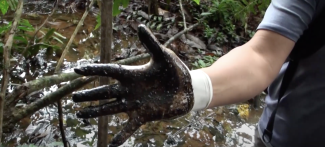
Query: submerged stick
point(66, 49)
point(64, 139)
point(38, 84)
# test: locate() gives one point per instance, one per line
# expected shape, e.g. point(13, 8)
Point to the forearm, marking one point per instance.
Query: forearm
point(238, 76)
point(243, 73)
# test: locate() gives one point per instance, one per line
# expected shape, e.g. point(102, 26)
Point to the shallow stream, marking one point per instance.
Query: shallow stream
point(223, 126)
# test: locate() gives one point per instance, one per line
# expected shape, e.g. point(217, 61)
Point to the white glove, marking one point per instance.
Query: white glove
point(202, 89)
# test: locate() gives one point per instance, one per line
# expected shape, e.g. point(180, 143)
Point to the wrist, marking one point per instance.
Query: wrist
point(202, 89)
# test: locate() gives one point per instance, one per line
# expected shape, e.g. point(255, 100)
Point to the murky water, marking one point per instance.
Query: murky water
point(223, 126)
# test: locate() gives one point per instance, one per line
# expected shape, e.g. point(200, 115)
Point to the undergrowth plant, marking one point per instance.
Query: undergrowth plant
point(230, 15)
point(48, 40)
point(224, 19)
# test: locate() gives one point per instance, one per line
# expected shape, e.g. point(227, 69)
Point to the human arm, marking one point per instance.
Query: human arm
point(247, 70)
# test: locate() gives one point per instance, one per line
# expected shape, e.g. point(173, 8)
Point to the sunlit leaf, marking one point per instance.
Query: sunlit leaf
point(206, 13)
point(60, 35)
point(197, 1)
point(57, 39)
point(4, 6)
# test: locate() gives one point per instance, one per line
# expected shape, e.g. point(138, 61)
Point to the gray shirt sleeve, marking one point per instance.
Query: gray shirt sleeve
point(289, 17)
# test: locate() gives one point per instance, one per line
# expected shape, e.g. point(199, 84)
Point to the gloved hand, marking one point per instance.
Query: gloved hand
point(160, 89)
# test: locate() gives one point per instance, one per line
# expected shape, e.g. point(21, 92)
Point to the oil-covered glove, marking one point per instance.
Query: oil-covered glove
point(160, 89)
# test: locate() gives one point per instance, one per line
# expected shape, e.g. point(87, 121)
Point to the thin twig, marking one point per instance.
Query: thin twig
point(64, 139)
point(36, 32)
point(171, 39)
point(66, 49)
point(6, 61)
point(182, 11)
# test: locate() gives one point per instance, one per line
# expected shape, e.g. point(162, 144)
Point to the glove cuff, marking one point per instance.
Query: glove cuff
point(202, 89)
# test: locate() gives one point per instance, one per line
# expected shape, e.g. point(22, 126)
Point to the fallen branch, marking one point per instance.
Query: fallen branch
point(35, 85)
point(66, 49)
point(47, 81)
point(48, 99)
point(6, 61)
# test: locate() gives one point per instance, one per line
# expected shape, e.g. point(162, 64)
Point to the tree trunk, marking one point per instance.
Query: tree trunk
point(6, 62)
point(105, 57)
point(153, 7)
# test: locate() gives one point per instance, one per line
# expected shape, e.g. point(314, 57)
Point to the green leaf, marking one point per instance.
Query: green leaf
point(116, 10)
point(13, 4)
point(60, 35)
point(48, 35)
point(153, 25)
point(57, 39)
point(4, 6)
point(201, 63)
point(54, 144)
point(197, 1)
point(99, 21)
point(205, 13)
point(4, 29)
point(159, 26)
point(20, 38)
point(1, 47)
point(125, 3)
point(117, 4)
point(25, 22)
point(25, 25)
